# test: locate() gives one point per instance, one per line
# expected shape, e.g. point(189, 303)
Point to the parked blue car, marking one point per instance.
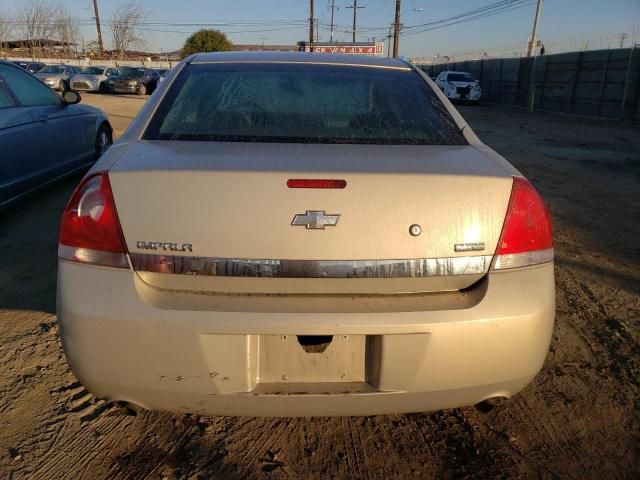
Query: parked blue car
point(44, 136)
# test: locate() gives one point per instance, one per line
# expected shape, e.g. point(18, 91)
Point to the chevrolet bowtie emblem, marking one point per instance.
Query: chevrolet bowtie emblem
point(315, 219)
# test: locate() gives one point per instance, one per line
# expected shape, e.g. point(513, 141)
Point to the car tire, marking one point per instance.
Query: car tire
point(142, 89)
point(104, 139)
point(102, 88)
point(62, 86)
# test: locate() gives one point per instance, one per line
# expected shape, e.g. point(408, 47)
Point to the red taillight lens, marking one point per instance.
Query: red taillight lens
point(315, 183)
point(527, 236)
point(90, 231)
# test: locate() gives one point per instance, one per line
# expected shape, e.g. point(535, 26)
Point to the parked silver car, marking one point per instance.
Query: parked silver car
point(93, 79)
point(57, 76)
point(303, 234)
point(43, 137)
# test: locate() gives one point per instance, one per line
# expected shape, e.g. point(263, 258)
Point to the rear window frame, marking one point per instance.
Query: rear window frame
point(151, 130)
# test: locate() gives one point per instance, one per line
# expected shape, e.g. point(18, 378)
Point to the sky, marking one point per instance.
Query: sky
point(565, 24)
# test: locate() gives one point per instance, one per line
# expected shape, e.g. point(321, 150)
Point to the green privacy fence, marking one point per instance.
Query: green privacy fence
point(600, 83)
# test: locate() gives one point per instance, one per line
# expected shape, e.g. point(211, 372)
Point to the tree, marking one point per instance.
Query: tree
point(36, 20)
point(206, 41)
point(42, 21)
point(6, 29)
point(125, 26)
point(67, 30)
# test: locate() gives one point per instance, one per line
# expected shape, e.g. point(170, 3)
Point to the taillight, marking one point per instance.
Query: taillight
point(90, 231)
point(527, 237)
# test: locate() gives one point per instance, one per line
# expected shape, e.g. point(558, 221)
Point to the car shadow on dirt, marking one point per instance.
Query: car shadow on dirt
point(29, 248)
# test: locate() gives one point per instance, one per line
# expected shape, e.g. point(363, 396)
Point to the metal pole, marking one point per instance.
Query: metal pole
point(626, 82)
point(311, 27)
point(532, 83)
point(333, 6)
point(355, 12)
point(396, 30)
point(100, 44)
point(534, 33)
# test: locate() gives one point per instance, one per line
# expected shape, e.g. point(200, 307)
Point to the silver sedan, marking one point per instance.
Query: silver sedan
point(93, 79)
point(57, 77)
point(302, 234)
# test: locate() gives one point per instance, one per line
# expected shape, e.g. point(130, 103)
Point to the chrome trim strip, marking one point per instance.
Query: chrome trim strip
point(336, 64)
point(93, 257)
point(237, 267)
point(524, 259)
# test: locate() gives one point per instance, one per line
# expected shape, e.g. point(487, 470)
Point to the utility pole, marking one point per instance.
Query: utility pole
point(311, 26)
point(396, 30)
point(355, 13)
point(332, 7)
point(100, 44)
point(532, 45)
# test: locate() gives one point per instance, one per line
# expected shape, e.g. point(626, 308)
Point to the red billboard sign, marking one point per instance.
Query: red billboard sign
point(375, 49)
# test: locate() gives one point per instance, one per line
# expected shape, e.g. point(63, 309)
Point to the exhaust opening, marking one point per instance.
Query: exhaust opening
point(314, 343)
point(485, 406)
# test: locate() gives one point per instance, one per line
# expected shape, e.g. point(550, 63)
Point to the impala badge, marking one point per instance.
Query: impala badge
point(315, 219)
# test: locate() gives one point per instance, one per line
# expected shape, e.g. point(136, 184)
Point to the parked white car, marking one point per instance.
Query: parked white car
point(459, 86)
point(93, 79)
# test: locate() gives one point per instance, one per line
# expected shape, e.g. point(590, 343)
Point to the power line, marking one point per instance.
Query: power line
point(443, 24)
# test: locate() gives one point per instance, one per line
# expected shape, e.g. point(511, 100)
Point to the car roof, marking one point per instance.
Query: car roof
point(455, 71)
point(298, 57)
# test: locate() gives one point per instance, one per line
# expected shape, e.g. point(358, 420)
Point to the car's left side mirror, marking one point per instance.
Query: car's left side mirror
point(70, 97)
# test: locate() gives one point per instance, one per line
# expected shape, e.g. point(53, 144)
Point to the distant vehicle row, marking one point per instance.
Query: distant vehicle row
point(138, 80)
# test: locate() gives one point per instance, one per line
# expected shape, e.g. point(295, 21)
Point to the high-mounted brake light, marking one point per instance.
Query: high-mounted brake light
point(315, 183)
point(527, 236)
point(90, 231)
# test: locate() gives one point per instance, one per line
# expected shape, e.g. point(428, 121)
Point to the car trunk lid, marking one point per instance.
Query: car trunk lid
point(219, 217)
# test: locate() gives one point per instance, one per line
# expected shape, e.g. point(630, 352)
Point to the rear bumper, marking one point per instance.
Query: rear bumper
point(124, 88)
point(473, 96)
point(123, 345)
point(84, 88)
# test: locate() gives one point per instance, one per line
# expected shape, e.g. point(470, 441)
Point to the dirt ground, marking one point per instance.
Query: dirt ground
point(579, 419)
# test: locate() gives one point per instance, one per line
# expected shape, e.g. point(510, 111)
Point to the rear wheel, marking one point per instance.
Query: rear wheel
point(104, 139)
point(102, 88)
point(142, 89)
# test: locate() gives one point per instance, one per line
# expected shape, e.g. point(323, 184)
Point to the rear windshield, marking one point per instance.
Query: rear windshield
point(460, 77)
point(303, 103)
point(52, 69)
point(132, 72)
point(92, 70)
